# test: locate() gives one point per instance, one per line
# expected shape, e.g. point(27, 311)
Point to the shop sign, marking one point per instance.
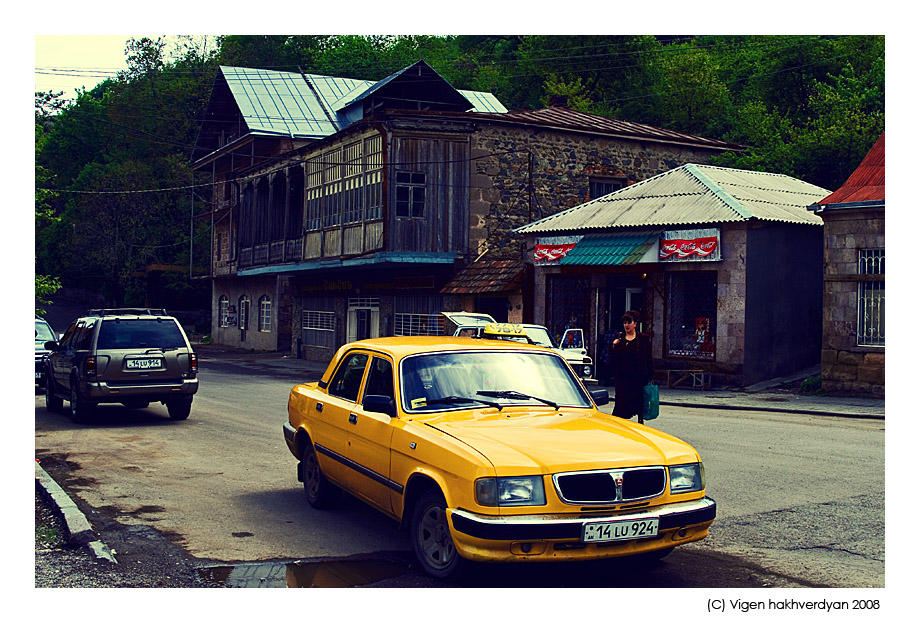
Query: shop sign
point(699, 244)
point(551, 250)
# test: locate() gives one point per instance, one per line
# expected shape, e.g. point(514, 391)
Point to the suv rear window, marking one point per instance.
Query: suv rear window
point(139, 333)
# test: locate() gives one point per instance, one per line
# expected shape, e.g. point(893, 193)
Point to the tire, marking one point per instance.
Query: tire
point(53, 402)
point(81, 409)
point(430, 535)
point(320, 492)
point(179, 409)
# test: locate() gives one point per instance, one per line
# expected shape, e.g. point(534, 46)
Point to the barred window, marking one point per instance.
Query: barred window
point(691, 314)
point(318, 322)
point(870, 330)
point(417, 324)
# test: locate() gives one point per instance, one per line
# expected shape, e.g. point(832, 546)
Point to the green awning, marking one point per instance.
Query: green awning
point(610, 249)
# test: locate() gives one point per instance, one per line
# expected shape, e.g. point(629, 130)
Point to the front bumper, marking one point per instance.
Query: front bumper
point(518, 537)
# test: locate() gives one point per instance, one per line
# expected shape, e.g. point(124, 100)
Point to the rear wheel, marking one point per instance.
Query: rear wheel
point(81, 409)
point(179, 409)
point(430, 535)
point(320, 492)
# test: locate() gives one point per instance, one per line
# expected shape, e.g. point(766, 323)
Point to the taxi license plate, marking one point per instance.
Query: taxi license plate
point(619, 530)
point(146, 363)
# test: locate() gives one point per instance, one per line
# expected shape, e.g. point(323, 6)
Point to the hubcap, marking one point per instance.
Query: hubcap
point(434, 537)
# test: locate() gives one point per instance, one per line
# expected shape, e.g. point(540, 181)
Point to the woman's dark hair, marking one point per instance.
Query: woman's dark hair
point(630, 315)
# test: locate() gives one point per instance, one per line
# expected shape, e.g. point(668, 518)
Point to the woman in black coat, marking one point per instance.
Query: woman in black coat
point(632, 368)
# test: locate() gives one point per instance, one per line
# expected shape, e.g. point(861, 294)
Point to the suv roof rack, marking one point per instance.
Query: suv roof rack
point(125, 311)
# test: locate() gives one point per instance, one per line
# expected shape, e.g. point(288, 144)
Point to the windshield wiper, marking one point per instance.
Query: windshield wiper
point(450, 400)
point(515, 395)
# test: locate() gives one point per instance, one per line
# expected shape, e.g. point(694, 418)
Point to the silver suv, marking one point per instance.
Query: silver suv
point(128, 355)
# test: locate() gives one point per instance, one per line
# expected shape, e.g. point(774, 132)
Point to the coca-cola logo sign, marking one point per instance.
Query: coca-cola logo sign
point(698, 247)
point(551, 252)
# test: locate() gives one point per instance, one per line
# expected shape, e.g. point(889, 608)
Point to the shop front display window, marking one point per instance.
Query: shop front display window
point(691, 315)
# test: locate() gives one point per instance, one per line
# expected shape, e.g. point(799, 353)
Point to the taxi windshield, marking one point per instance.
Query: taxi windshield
point(464, 380)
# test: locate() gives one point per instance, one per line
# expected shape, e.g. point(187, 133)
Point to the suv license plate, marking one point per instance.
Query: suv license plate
point(144, 364)
point(619, 530)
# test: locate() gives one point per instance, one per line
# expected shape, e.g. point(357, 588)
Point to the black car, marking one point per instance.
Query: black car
point(43, 333)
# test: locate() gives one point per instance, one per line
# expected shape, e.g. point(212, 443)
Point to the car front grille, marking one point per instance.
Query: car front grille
point(612, 486)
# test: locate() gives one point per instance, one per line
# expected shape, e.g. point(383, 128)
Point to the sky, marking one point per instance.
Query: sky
point(68, 62)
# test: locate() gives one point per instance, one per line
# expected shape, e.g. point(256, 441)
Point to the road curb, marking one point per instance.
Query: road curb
point(846, 414)
point(79, 530)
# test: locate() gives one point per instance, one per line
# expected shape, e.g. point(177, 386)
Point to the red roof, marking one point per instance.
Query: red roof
point(867, 182)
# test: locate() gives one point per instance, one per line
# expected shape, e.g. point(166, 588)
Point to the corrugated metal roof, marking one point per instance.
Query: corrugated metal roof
point(308, 105)
point(572, 119)
point(611, 249)
point(867, 182)
point(691, 195)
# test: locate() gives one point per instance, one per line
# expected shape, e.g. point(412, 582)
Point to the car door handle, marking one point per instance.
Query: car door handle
point(353, 418)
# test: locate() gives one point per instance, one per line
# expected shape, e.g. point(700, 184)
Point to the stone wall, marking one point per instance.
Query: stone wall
point(521, 174)
point(845, 367)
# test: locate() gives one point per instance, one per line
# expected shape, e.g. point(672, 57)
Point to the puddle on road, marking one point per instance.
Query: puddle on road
point(330, 574)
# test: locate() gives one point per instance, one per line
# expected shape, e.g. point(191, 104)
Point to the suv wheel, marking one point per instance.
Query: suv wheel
point(179, 409)
point(80, 408)
point(53, 402)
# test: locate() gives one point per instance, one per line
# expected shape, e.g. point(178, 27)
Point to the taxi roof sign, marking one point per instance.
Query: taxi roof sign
point(504, 329)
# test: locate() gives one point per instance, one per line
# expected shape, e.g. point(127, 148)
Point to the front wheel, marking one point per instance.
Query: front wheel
point(80, 408)
point(53, 402)
point(430, 535)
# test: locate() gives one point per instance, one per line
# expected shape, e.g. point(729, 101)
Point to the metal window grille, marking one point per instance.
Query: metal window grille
point(318, 321)
point(691, 319)
point(870, 330)
point(417, 324)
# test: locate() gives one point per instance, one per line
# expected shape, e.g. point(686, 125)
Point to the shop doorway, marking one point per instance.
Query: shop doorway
point(363, 318)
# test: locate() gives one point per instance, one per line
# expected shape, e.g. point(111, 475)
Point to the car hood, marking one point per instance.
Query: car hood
point(549, 441)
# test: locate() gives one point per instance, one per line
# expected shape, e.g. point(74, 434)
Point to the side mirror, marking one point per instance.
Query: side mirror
point(380, 404)
point(600, 396)
point(51, 345)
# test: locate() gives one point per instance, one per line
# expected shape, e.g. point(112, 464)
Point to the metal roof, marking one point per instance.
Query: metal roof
point(308, 105)
point(867, 182)
point(567, 118)
point(611, 249)
point(691, 194)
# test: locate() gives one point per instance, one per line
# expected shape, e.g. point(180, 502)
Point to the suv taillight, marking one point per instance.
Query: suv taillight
point(89, 366)
point(193, 363)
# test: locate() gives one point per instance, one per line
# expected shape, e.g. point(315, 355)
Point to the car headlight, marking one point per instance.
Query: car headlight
point(511, 491)
point(587, 370)
point(687, 478)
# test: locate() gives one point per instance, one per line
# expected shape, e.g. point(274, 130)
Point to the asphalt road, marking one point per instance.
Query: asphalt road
point(801, 499)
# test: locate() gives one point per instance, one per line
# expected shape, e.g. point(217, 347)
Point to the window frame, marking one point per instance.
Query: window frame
point(265, 314)
point(414, 183)
point(870, 298)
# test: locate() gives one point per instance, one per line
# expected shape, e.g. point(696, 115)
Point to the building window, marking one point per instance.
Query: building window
point(599, 186)
point(242, 312)
point(691, 315)
point(870, 330)
point(318, 321)
point(223, 311)
point(410, 194)
point(417, 315)
point(265, 314)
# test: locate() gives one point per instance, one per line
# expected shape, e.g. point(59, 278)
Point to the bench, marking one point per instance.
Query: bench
point(702, 379)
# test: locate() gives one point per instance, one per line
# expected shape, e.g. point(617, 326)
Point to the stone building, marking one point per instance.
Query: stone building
point(853, 345)
point(349, 209)
point(724, 265)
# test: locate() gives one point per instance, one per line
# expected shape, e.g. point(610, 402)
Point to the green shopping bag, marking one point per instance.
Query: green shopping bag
point(650, 402)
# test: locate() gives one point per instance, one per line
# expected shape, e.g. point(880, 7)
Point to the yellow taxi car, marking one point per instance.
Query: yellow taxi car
point(491, 450)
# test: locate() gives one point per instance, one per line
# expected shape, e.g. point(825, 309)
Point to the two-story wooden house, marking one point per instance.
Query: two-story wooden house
point(343, 209)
